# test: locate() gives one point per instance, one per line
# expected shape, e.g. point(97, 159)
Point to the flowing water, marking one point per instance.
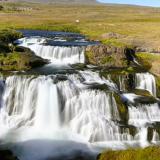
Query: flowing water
point(47, 112)
point(146, 81)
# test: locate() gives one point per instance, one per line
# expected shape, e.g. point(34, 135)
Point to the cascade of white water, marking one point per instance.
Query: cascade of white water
point(155, 137)
point(94, 77)
point(142, 114)
point(90, 112)
point(56, 54)
point(122, 85)
point(47, 107)
point(29, 101)
point(27, 41)
point(35, 102)
point(146, 81)
point(141, 136)
point(18, 104)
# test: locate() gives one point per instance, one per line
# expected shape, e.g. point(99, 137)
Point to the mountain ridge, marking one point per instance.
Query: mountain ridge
point(55, 1)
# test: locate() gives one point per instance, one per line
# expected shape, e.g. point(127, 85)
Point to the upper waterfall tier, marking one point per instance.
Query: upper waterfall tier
point(64, 55)
point(56, 54)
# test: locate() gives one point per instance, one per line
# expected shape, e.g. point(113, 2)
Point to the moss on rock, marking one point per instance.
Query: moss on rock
point(9, 36)
point(123, 110)
point(150, 62)
point(142, 92)
point(14, 58)
point(110, 55)
point(16, 61)
point(158, 86)
point(106, 55)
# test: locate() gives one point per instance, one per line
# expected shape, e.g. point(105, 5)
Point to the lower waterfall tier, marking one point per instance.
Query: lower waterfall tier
point(74, 107)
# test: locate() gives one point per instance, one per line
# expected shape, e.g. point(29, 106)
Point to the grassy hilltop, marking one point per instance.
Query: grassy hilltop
point(138, 25)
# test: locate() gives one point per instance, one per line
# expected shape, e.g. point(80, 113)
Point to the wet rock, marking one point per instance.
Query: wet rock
point(7, 155)
point(153, 128)
point(122, 108)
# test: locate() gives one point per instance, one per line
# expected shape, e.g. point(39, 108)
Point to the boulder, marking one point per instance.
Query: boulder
point(109, 55)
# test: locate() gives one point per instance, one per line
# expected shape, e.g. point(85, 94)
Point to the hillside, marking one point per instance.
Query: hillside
point(55, 1)
point(140, 26)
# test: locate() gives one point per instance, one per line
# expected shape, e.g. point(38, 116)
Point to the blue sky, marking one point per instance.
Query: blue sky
point(155, 3)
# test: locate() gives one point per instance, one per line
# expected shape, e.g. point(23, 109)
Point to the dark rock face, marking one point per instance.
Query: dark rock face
point(109, 56)
point(152, 128)
point(7, 155)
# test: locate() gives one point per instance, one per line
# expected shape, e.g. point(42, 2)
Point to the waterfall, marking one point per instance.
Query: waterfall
point(142, 114)
point(146, 81)
point(155, 137)
point(72, 109)
point(47, 109)
point(30, 100)
point(40, 104)
point(83, 106)
point(56, 54)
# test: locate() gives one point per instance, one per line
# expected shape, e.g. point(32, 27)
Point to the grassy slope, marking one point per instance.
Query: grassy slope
point(140, 24)
point(151, 153)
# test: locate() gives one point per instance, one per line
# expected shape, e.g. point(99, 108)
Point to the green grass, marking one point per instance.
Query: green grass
point(140, 24)
point(150, 153)
point(151, 61)
point(8, 35)
point(114, 42)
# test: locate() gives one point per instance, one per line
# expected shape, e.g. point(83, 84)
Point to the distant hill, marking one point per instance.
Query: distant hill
point(54, 1)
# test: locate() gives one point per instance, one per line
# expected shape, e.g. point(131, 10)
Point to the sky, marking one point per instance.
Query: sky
point(155, 3)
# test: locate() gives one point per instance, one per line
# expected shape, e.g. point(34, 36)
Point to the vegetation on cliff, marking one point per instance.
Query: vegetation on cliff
point(17, 61)
point(14, 58)
point(150, 61)
point(150, 153)
point(109, 55)
point(9, 36)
